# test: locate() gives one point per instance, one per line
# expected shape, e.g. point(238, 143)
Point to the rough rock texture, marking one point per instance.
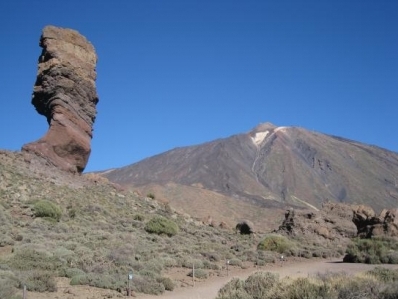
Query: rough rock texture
point(339, 221)
point(333, 222)
point(65, 94)
point(245, 227)
point(370, 225)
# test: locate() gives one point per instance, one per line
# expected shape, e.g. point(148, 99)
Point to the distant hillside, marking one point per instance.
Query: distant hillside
point(271, 167)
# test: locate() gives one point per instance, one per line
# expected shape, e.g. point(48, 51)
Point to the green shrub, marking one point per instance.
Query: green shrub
point(29, 259)
point(72, 272)
point(390, 292)
point(47, 209)
point(359, 288)
point(139, 217)
point(38, 281)
point(189, 263)
point(235, 262)
point(211, 266)
point(235, 289)
point(302, 288)
point(275, 243)
point(147, 286)
point(80, 279)
point(7, 289)
point(371, 251)
point(169, 262)
point(103, 281)
point(199, 273)
point(160, 225)
point(259, 284)
point(151, 195)
point(167, 282)
point(384, 274)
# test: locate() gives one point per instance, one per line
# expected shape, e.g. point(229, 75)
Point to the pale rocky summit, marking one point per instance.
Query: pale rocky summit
point(65, 93)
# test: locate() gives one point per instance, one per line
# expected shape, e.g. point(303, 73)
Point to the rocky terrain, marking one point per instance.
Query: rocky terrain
point(267, 169)
point(339, 223)
point(65, 94)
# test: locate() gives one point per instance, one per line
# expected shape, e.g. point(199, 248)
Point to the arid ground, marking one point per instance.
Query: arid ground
point(208, 289)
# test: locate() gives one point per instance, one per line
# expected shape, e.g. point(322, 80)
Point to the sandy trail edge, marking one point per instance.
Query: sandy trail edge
point(209, 288)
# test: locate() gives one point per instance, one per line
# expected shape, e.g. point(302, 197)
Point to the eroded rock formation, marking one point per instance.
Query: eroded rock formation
point(333, 222)
point(65, 94)
point(336, 221)
point(371, 225)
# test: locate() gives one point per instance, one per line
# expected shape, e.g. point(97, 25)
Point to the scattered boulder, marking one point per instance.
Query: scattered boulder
point(65, 94)
point(245, 227)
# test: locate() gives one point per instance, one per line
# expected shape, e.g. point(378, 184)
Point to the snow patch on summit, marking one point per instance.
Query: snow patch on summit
point(259, 137)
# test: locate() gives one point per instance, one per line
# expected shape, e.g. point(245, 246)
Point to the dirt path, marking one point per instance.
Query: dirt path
point(209, 288)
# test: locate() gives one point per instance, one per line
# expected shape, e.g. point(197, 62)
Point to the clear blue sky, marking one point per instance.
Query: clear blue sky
point(178, 73)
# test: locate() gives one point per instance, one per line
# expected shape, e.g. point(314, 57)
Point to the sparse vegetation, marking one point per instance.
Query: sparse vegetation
point(199, 273)
point(373, 251)
point(102, 235)
point(105, 233)
point(265, 285)
point(47, 209)
point(160, 225)
point(151, 195)
point(275, 243)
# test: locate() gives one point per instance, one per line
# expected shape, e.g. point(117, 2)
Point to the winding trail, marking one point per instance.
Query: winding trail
point(209, 288)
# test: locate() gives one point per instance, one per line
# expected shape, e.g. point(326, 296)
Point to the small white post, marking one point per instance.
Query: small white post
point(193, 274)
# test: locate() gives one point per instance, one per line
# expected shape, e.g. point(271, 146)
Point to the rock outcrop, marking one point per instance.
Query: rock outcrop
point(333, 222)
point(336, 221)
point(370, 225)
point(65, 94)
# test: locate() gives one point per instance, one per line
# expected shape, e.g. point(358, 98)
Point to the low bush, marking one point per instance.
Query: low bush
point(160, 225)
point(235, 289)
point(379, 284)
point(38, 281)
point(47, 209)
point(7, 289)
point(199, 273)
point(103, 281)
point(302, 288)
point(275, 243)
point(189, 263)
point(167, 282)
point(29, 259)
point(147, 286)
point(384, 274)
point(235, 262)
point(259, 284)
point(371, 251)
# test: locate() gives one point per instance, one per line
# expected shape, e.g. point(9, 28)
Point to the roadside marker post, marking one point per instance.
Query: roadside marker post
point(130, 278)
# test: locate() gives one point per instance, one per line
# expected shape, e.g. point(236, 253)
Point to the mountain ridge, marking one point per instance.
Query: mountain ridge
point(273, 167)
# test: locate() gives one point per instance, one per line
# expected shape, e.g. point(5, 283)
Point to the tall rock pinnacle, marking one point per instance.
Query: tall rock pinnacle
point(66, 95)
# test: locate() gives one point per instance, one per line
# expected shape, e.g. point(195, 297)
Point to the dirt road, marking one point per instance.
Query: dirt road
point(209, 288)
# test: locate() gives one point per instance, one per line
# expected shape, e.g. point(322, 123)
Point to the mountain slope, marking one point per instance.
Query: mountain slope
point(271, 167)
